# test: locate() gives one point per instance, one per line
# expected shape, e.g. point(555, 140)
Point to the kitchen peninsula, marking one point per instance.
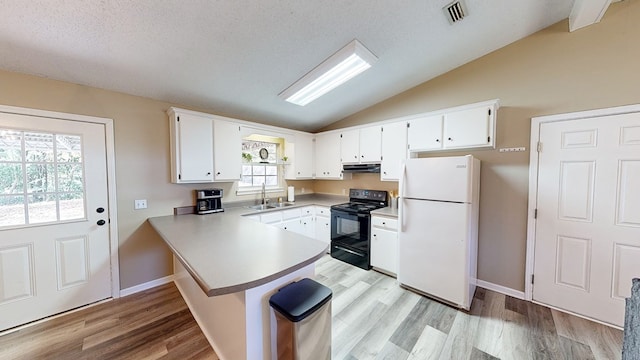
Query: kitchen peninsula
point(227, 266)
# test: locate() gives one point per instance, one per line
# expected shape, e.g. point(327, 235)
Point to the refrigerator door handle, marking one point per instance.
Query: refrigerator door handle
point(403, 178)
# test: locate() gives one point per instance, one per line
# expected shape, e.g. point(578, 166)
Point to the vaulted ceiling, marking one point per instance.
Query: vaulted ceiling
point(235, 57)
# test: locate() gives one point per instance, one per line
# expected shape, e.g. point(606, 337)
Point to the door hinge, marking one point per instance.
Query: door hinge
point(381, 129)
point(488, 139)
point(489, 112)
point(381, 158)
point(179, 177)
point(535, 213)
point(408, 125)
point(532, 275)
point(340, 136)
point(539, 147)
point(178, 118)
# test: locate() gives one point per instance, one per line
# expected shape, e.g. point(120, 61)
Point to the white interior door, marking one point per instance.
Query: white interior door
point(587, 246)
point(54, 232)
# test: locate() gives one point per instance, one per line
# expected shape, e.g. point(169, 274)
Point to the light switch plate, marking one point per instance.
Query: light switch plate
point(139, 204)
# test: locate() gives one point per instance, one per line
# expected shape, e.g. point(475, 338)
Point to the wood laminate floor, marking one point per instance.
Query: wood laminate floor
point(153, 324)
point(373, 318)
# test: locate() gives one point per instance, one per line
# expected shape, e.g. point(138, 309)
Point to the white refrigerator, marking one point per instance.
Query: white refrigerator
point(438, 227)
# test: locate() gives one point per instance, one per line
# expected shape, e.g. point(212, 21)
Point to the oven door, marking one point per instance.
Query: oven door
point(350, 238)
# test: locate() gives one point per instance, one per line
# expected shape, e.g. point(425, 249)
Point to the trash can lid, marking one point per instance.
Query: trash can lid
point(300, 299)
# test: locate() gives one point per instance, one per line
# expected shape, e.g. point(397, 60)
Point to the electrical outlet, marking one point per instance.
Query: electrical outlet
point(139, 204)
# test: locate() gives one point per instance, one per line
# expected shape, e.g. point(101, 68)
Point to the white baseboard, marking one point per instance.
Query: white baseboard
point(500, 289)
point(145, 286)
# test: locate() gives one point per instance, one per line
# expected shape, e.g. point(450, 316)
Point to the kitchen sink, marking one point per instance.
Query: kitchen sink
point(262, 207)
point(270, 206)
point(281, 205)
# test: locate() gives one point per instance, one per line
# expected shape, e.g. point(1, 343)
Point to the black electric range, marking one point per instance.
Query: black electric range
point(351, 226)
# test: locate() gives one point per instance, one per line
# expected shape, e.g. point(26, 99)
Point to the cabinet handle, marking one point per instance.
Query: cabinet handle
point(209, 173)
point(218, 173)
point(450, 139)
point(384, 223)
point(355, 156)
point(438, 140)
point(361, 155)
point(374, 235)
point(385, 173)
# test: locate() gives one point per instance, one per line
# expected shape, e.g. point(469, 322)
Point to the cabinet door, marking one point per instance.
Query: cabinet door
point(371, 144)
point(308, 226)
point(350, 146)
point(301, 153)
point(328, 165)
point(425, 133)
point(323, 228)
point(192, 148)
point(293, 225)
point(227, 150)
point(384, 250)
point(468, 128)
point(394, 150)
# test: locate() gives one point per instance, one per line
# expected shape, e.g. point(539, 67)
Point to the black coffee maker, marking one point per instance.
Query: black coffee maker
point(208, 201)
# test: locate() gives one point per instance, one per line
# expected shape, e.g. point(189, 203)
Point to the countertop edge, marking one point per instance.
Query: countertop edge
point(262, 281)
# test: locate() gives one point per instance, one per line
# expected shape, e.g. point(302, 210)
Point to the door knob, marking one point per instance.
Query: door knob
point(101, 222)
point(100, 210)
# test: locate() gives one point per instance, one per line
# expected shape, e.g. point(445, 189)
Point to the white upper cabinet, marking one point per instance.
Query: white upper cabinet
point(469, 128)
point(371, 144)
point(300, 154)
point(425, 133)
point(465, 127)
point(361, 145)
point(350, 146)
point(394, 150)
point(327, 156)
point(227, 150)
point(191, 138)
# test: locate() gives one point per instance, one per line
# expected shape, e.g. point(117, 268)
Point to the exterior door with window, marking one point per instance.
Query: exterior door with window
point(54, 233)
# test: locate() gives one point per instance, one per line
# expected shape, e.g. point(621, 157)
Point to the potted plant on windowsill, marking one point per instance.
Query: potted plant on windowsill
point(284, 161)
point(246, 157)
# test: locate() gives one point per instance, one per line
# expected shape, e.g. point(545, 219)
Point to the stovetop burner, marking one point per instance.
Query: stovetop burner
point(357, 207)
point(363, 201)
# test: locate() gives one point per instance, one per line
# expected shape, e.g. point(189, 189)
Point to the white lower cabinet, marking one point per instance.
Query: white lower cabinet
point(323, 224)
point(384, 244)
point(298, 220)
point(293, 225)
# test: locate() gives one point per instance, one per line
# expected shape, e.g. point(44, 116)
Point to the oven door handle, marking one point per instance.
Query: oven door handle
point(347, 250)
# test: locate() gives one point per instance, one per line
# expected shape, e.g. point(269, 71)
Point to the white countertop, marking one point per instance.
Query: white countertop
point(227, 253)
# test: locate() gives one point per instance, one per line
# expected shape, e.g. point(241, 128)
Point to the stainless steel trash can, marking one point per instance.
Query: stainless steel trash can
point(303, 320)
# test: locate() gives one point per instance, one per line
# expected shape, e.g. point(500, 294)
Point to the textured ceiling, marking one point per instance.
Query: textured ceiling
point(235, 57)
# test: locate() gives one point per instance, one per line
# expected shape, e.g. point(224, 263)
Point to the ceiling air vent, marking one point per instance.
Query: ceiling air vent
point(455, 12)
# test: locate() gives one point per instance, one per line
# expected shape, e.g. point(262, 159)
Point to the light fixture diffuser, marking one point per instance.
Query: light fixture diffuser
point(346, 63)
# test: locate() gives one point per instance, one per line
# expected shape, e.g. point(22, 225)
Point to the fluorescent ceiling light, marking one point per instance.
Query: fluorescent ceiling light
point(346, 63)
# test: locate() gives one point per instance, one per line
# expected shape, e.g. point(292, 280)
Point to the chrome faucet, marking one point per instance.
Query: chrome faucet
point(264, 194)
